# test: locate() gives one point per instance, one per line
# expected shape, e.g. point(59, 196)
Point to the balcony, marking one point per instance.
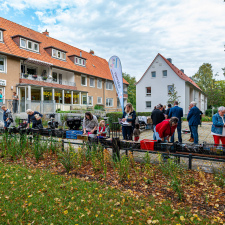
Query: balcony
point(46, 79)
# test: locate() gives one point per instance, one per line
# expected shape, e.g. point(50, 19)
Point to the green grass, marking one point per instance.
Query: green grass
point(40, 197)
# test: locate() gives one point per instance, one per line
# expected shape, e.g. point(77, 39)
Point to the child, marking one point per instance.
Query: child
point(136, 132)
point(102, 130)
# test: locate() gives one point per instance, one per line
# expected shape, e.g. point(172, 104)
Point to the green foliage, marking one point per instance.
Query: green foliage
point(113, 117)
point(208, 112)
point(215, 90)
point(131, 90)
point(220, 179)
point(66, 158)
point(99, 107)
point(173, 96)
point(143, 113)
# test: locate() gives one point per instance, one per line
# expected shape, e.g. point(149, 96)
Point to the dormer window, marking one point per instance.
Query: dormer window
point(1, 35)
point(79, 61)
point(29, 44)
point(58, 54)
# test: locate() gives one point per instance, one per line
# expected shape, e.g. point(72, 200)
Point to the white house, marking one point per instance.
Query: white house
point(158, 81)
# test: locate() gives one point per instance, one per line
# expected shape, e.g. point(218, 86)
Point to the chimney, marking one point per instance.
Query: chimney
point(182, 70)
point(92, 52)
point(170, 60)
point(46, 33)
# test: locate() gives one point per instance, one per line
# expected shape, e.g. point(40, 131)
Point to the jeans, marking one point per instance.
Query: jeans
point(154, 137)
point(6, 124)
point(157, 136)
point(127, 132)
point(178, 132)
point(194, 130)
point(191, 132)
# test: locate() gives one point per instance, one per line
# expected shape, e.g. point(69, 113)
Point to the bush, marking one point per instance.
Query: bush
point(144, 113)
point(99, 107)
point(113, 117)
point(208, 112)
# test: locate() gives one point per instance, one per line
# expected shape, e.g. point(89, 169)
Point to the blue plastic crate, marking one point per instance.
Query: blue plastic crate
point(74, 132)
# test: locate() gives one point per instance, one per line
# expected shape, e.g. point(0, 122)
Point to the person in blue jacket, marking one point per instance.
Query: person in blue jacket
point(128, 121)
point(176, 111)
point(218, 126)
point(193, 119)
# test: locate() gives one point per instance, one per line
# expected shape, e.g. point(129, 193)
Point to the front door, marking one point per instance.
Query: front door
point(60, 78)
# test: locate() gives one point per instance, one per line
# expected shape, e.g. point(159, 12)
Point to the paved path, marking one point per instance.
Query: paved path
point(204, 132)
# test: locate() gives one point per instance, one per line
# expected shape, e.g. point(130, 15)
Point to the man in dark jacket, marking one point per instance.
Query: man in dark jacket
point(168, 111)
point(7, 116)
point(193, 119)
point(157, 117)
point(177, 111)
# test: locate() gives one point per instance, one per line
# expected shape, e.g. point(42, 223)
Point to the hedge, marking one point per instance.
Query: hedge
point(114, 116)
point(208, 112)
point(204, 119)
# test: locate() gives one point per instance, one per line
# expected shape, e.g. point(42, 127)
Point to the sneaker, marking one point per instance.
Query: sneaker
point(191, 139)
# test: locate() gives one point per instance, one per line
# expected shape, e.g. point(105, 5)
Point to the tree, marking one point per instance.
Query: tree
point(173, 95)
point(131, 90)
point(214, 89)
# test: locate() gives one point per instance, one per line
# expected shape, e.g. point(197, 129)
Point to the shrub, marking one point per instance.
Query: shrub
point(208, 112)
point(113, 117)
point(143, 113)
point(99, 107)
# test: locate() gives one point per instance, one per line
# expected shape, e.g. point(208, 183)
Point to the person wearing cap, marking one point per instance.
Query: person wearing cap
point(193, 119)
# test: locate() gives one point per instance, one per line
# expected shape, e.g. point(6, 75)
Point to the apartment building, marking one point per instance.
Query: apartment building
point(48, 74)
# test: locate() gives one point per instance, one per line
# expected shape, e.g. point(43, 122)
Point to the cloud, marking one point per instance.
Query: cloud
point(190, 32)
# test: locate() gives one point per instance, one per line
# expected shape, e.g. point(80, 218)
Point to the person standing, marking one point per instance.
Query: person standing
point(128, 119)
point(1, 98)
point(7, 116)
point(168, 110)
point(191, 137)
point(218, 126)
point(193, 119)
point(177, 111)
point(15, 102)
point(157, 117)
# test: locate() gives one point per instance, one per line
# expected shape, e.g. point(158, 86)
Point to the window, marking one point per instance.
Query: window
point(109, 85)
point(90, 100)
point(79, 61)
point(29, 45)
point(170, 89)
point(164, 73)
point(148, 104)
point(1, 35)
point(58, 54)
point(148, 91)
point(92, 82)
point(84, 99)
point(109, 102)
point(83, 81)
point(54, 76)
point(153, 74)
point(31, 70)
point(99, 100)
point(2, 64)
point(99, 83)
point(23, 43)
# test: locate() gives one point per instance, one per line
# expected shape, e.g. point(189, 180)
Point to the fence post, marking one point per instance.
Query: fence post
point(115, 149)
point(190, 162)
point(30, 141)
point(62, 145)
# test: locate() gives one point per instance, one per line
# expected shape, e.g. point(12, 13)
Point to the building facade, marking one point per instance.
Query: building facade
point(48, 74)
point(160, 80)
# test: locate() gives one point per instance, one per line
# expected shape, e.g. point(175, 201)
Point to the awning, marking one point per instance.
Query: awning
point(38, 62)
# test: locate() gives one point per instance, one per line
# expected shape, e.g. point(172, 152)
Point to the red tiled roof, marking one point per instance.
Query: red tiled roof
point(176, 70)
point(95, 65)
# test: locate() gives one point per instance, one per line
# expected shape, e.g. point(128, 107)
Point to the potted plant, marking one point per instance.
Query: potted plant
point(44, 78)
point(34, 76)
point(25, 75)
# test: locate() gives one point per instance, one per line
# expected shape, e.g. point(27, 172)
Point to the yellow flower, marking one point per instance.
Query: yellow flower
point(182, 218)
point(100, 196)
point(65, 212)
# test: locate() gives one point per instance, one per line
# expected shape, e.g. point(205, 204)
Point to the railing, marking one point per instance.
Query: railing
point(46, 79)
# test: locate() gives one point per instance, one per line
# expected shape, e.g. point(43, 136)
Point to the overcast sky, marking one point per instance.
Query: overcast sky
point(191, 32)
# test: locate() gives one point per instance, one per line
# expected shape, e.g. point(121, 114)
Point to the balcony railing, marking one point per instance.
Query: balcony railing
point(46, 79)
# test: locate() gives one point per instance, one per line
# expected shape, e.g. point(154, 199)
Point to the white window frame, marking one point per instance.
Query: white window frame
point(148, 94)
point(28, 45)
point(54, 51)
point(168, 89)
point(90, 81)
point(85, 81)
point(5, 64)
point(83, 96)
point(80, 62)
point(57, 53)
point(107, 99)
point(153, 72)
point(90, 97)
point(147, 106)
point(1, 36)
point(21, 43)
point(163, 75)
point(37, 47)
point(107, 88)
point(99, 81)
point(99, 102)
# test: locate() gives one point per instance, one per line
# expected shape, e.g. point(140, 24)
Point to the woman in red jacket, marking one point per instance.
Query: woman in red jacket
point(165, 129)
